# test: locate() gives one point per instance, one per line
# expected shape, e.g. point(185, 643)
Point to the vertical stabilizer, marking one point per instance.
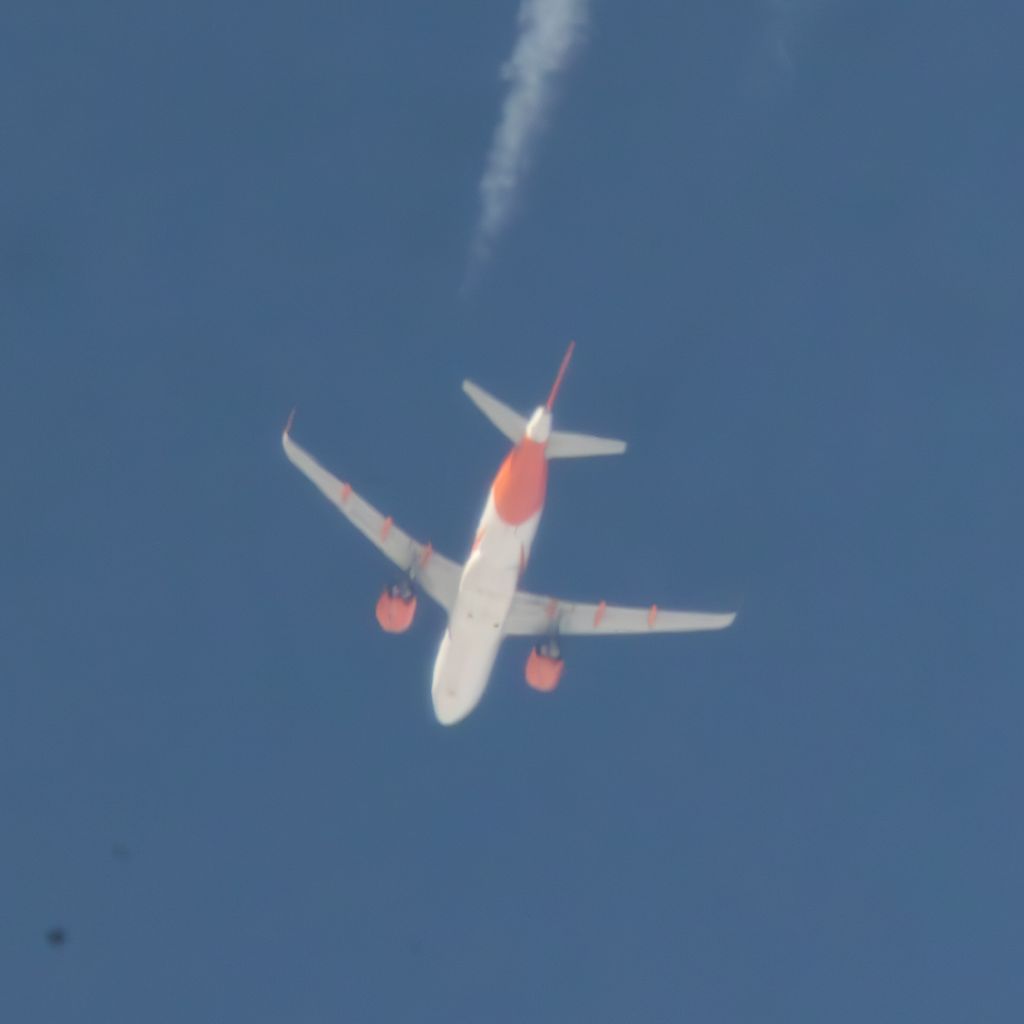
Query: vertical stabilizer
point(561, 374)
point(559, 444)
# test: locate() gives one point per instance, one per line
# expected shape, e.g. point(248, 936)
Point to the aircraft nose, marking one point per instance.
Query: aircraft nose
point(448, 707)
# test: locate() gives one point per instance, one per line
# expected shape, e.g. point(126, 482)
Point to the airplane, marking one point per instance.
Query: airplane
point(482, 597)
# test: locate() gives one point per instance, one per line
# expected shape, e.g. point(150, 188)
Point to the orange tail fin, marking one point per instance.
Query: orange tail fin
point(561, 374)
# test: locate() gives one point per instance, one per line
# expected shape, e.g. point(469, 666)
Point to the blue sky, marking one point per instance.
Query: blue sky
point(787, 238)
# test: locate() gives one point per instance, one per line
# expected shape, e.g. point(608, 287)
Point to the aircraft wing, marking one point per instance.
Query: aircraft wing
point(534, 615)
point(438, 576)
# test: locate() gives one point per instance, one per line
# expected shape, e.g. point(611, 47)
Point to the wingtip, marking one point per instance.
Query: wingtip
point(288, 426)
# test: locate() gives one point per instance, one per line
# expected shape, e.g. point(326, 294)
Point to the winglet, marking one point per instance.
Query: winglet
point(288, 425)
point(561, 374)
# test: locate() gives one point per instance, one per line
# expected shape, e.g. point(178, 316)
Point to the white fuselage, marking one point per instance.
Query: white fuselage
point(491, 575)
point(477, 622)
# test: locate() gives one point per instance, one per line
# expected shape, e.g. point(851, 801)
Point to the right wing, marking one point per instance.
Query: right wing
point(533, 615)
point(437, 575)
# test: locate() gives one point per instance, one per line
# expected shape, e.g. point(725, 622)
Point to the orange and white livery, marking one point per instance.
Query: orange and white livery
point(482, 597)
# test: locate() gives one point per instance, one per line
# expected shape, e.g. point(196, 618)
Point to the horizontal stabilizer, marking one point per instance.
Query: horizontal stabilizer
point(563, 445)
point(507, 420)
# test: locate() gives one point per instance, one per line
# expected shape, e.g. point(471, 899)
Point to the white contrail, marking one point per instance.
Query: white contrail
point(548, 31)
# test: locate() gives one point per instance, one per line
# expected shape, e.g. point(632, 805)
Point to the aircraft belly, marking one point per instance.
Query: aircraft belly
point(461, 672)
point(476, 624)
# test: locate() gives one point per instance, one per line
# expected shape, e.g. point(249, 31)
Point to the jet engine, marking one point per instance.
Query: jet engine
point(544, 667)
point(396, 608)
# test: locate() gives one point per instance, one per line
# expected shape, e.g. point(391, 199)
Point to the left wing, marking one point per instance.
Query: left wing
point(437, 575)
point(533, 615)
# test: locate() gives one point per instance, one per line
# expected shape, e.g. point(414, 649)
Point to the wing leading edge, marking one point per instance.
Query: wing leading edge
point(437, 575)
point(534, 615)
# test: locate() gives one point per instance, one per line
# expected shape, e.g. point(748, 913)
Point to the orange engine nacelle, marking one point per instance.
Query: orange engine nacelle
point(396, 608)
point(544, 668)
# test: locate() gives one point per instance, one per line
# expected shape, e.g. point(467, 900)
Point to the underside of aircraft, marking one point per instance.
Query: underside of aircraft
point(482, 597)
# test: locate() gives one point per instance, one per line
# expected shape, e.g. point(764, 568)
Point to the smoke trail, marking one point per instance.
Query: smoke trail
point(548, 32)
